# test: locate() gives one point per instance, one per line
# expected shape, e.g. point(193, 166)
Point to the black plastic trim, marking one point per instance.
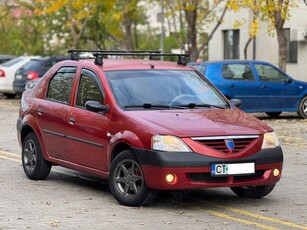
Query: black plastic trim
point(73, 138)
point(192, 159)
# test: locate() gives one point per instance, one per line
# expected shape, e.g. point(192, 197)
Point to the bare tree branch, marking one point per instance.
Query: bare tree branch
point(219, 22)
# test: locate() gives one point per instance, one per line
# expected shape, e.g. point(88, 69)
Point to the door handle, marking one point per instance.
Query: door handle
point(233, 86)
point(40, 111)
point(72, 120)
point(264, 86)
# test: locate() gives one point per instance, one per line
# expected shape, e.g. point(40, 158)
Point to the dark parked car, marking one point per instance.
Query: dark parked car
point(34, 70)
point(260, 86)
point(5, 58)
point(144, 125)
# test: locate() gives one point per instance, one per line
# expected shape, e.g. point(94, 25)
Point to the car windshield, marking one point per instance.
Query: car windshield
point(161, 89)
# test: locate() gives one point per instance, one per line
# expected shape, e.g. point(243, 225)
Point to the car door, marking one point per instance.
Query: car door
point(87, 131)
point(52, 113)
point(276, 88)
point(239, 82)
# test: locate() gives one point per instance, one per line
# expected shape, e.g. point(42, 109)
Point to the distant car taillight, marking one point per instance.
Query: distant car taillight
point(2, 73)
point(32, 75)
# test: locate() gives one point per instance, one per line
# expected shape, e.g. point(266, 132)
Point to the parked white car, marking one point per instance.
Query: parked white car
point(7, 74)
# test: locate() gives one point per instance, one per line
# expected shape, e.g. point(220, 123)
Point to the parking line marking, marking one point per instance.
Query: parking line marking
point(9, 158)
point(247, 222)
point(258, 216)
point(225, 216)
point(272, 219)
point(9, 153)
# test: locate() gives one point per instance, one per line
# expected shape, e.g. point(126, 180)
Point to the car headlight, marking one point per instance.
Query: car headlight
point(169, 143)
point(270, 140)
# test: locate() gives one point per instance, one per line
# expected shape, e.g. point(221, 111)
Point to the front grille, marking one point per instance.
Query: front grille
point(219, 143)
point(207, 178)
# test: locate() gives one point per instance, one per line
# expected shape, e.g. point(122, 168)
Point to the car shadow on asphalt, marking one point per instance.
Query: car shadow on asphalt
point(210, 198)
point(78, 179)
point(283, 116)
point(183, 199)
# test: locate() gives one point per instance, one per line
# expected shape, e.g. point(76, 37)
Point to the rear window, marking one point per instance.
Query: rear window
point(12, 62)
point(33, 64)
point(200, 68)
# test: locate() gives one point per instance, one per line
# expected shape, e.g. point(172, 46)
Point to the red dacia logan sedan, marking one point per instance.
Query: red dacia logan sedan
point(144, 125)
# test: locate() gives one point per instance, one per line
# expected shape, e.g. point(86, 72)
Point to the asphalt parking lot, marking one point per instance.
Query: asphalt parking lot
point(70, 200)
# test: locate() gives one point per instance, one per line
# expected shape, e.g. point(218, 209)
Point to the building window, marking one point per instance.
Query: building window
point(291, 48)
point(231, 44)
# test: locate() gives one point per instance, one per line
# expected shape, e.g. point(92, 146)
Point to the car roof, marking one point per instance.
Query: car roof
point(133, 64)
point(227, 61)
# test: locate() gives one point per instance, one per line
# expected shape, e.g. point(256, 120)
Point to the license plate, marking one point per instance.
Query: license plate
point(232, 169)
point(18, 76)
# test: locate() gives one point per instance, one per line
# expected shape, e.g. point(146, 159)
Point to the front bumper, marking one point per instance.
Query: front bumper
point(192, 170)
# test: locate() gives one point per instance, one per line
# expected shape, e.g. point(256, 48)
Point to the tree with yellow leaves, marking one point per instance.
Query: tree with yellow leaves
point(274, 13)
point(197, 16)
point(70, 16)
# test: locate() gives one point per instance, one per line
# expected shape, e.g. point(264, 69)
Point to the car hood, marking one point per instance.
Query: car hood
point(189, 123)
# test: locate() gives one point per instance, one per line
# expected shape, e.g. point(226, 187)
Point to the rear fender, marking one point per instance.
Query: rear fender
point(28, 124)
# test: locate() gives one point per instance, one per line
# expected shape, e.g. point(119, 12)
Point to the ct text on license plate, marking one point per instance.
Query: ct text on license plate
point(232, 169)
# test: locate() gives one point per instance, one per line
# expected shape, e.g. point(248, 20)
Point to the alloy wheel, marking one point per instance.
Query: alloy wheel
point(30, 155)
point(128, 178)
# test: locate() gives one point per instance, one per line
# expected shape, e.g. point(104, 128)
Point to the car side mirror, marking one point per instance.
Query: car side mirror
point(289, 80)
point(96, 106)
point(236, 102)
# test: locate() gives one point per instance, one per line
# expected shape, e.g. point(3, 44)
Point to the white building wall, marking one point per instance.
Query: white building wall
point(266, 46)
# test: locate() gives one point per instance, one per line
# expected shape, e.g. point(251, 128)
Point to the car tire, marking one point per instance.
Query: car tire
point(33, 162)
point(9, 95)
point(302, 108)
point(127, 182)
point(253, 192)
point(273, 114)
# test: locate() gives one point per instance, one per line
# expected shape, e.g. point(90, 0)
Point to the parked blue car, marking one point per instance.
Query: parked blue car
point(260, 86)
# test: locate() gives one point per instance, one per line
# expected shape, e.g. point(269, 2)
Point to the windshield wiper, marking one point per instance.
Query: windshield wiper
point(149, 106)
point(193, 105)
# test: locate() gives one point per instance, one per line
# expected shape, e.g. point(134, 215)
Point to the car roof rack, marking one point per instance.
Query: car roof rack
point(98, 55)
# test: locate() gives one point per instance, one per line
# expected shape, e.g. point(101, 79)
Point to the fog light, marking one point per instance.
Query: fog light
point(276, 172)
point(170, 178)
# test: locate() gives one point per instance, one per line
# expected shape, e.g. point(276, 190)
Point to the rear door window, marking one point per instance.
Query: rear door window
point(237, 72)
point(61, 84)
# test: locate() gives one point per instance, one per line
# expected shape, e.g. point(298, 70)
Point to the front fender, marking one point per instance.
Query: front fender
point(123, 137)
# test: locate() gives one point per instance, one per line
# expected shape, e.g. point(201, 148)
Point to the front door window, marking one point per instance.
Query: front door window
point(268, 73)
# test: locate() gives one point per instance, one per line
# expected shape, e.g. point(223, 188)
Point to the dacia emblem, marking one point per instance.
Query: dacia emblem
point(230, 144)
